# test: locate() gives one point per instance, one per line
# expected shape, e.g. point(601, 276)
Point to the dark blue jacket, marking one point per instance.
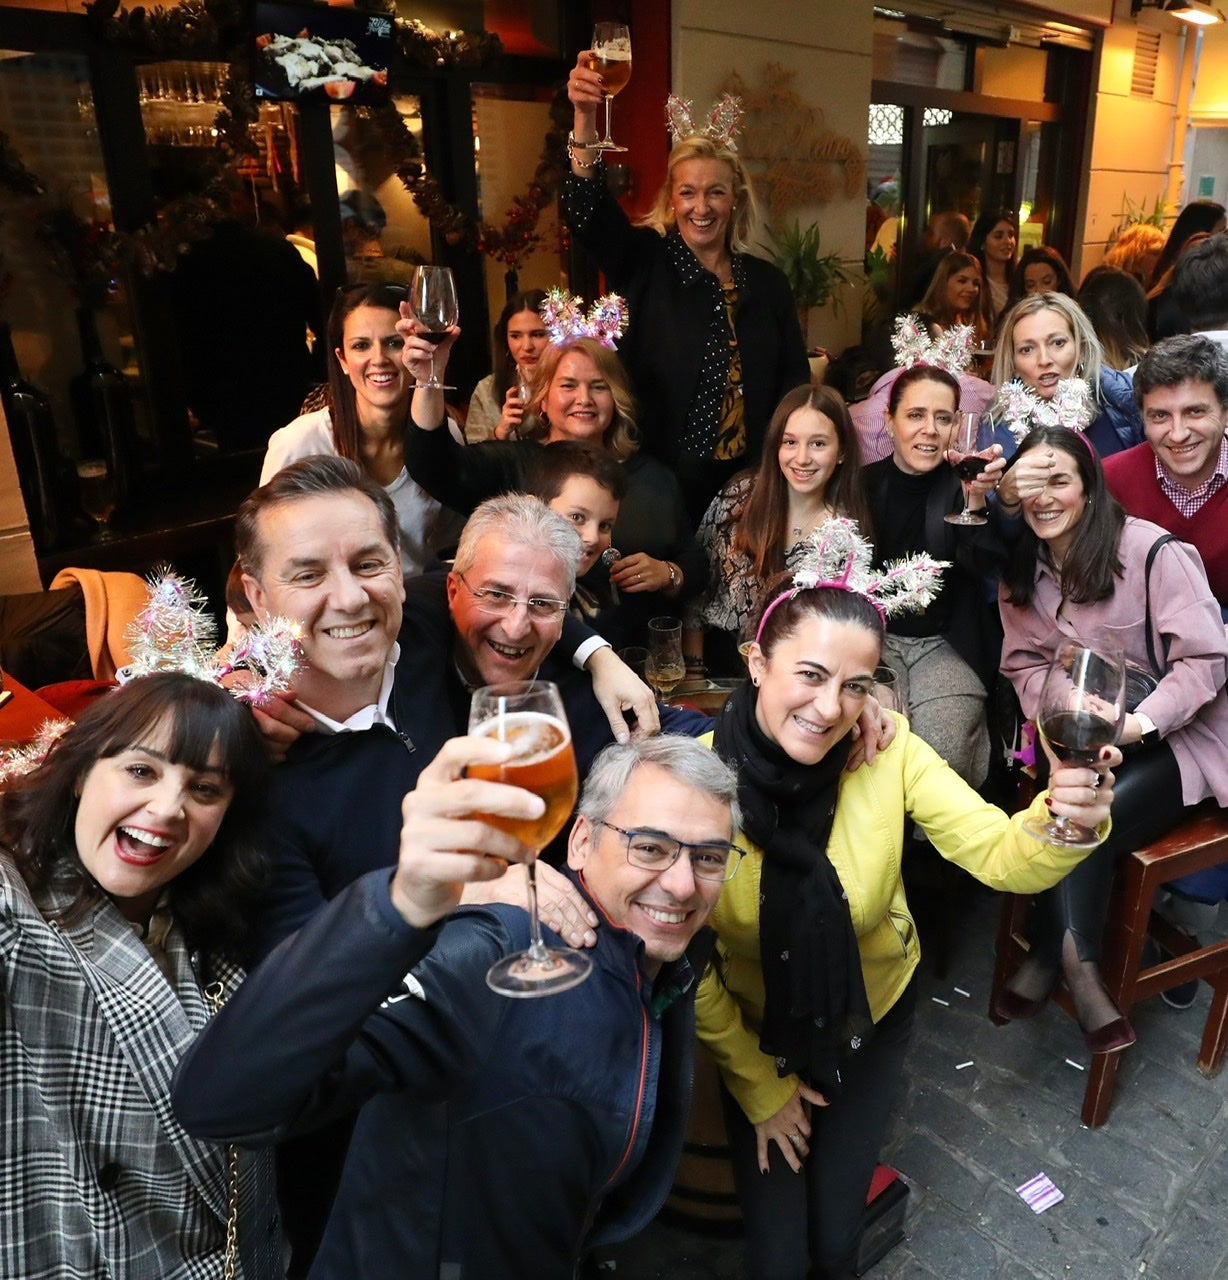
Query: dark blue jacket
point(496, 1137)
point(1119, 426)
point(335, 802)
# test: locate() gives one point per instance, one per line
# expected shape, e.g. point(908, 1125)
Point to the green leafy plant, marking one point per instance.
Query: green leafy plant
point(1132, 213)
point(813, 276)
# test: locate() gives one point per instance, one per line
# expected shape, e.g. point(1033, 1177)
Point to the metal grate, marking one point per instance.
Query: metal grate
point(1146, 59)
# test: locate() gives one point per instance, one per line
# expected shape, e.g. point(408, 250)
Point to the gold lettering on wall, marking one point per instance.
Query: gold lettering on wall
point(794, 158)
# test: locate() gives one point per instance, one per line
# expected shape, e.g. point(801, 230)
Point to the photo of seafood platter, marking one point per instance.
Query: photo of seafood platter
point(316, 63)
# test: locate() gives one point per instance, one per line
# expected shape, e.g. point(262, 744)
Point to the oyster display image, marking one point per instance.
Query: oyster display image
point(295, 66)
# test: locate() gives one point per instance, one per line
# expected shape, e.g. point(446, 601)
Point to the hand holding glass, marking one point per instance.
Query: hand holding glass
point(612, 61)
point(1082, 709)
point(968, 453)
point(529, 714)
point(432, 300)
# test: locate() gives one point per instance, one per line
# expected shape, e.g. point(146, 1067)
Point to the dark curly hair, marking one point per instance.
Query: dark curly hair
point(214, 899)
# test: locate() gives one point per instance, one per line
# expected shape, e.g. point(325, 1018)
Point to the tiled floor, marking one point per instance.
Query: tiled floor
point(1145, 1196)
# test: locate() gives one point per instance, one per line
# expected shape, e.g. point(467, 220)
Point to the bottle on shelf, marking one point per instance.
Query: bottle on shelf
point(43, 473)
point(102, 406)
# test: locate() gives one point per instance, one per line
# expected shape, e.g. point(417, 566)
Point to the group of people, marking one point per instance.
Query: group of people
point(332, 844)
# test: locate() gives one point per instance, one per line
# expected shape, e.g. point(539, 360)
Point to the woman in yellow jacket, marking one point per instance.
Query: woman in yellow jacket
point(808, 1006)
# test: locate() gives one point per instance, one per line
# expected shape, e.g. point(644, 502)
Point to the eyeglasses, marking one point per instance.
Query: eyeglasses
point(651, 851)
point(501, 603)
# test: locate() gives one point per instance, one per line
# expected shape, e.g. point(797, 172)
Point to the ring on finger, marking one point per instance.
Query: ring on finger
point(795, 1138)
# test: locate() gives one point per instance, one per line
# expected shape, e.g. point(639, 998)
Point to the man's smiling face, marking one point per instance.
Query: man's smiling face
point(512, 645)
point(326, 563)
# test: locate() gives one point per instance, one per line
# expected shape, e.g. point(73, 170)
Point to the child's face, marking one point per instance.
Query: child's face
point(593, 510)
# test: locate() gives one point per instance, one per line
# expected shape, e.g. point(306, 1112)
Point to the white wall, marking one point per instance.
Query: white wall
point(828, 44)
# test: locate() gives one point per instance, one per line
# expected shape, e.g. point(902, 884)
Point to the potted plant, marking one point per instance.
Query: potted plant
point(813, 276)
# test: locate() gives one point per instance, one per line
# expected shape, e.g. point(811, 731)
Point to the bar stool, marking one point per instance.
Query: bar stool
point(1201, 841)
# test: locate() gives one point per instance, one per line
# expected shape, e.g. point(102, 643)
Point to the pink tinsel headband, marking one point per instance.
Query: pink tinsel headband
point(837, 556)
point(564, 318)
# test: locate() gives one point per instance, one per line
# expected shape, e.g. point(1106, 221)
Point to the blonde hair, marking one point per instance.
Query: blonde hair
point(621, 437)
point(1089, 356)
point(744, 222)
point(1133, 247)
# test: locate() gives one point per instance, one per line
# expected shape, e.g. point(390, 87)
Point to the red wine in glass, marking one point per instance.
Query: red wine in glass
point(1082, 708)
point(970, 437)
point(432, 299)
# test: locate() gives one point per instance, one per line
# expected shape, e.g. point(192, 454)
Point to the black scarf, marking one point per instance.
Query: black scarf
point(815, 1007)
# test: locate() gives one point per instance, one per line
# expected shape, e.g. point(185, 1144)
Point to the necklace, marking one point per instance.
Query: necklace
point(801, 530)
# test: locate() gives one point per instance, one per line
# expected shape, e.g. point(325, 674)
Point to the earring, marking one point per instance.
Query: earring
point(755, 681)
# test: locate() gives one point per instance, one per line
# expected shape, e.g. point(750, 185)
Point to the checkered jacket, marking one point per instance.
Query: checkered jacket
point(96, 1177)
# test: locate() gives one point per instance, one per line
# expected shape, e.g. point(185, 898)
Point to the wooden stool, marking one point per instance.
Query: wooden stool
point(1201, 841)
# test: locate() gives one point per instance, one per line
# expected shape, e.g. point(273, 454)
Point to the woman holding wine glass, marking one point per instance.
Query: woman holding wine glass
point(579, 392)
point(946, 657)
point(1082, 568)
point(497, 406)
point(366, 417)
point(808, 1005)
point(714, 341)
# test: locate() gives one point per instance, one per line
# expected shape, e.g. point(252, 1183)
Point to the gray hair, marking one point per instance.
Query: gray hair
point(1089, 356)
point(527, 521)
point(1189, 357)
point(316, 476)
point(686, 760)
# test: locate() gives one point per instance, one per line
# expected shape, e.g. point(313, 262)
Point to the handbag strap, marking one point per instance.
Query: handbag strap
point(214, 994)
point(1156, 668)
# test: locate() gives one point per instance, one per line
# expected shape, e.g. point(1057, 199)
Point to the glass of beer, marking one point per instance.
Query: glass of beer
point(529, 714)
point(612, 61)
point(666, 666)
point(98, 493)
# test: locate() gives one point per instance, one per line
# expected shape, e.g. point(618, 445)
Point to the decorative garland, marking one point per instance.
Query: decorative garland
point(509, 244)
point(203, 27)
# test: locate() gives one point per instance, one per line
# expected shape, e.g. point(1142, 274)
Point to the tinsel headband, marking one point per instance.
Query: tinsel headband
point(174, 632)
point(1020, 408)
point(724, 120)
point(951, 350)
point(565, 320)
point(837, 556)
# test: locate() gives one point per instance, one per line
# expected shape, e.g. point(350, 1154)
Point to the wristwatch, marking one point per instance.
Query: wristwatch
point(1151, 734)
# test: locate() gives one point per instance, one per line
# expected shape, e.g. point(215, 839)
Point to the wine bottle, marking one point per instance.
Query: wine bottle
point(40, 467)
point(102, 405)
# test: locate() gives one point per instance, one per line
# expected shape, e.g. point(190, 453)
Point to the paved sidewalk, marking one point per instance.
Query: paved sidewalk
point(1146, 1194)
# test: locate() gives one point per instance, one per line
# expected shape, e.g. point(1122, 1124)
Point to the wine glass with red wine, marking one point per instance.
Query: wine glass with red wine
point(1082, 709)
point(968, 453)
point(432, 299)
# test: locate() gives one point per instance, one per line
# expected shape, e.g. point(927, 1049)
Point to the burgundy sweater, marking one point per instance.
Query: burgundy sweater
point(1131, 477)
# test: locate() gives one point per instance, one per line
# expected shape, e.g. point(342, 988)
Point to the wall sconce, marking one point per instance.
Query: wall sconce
point(1200, 13)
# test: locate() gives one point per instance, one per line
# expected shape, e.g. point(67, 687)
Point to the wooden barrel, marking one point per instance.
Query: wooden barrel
point(703, 1198)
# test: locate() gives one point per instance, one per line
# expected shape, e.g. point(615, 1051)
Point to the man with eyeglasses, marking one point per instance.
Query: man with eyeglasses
point(494, 1136)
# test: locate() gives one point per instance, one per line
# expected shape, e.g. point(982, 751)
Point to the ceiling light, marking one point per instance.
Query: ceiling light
point(1200, 13)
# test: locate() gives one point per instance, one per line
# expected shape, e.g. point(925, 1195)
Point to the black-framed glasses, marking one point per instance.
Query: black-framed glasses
point(501, 603)
point(652, 851)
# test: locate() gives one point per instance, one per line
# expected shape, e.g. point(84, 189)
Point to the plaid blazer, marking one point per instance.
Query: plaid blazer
point(96, 1177)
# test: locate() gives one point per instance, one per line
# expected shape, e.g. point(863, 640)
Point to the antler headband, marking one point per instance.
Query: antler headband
point(724, 119)
point(836, 555)
point(563, 315)
point(951, 350)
